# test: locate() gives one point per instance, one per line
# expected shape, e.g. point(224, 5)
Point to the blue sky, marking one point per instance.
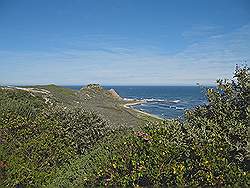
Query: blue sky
point(122, 42)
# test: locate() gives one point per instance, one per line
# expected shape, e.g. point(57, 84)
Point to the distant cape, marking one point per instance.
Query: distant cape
point(97, 88)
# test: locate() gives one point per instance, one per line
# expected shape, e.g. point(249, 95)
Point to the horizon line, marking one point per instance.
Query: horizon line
point(108, 85)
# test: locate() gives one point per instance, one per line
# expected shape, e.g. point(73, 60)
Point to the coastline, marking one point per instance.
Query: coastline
point(127, 105)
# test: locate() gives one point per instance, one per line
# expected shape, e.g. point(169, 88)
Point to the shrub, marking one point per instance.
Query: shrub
point(208, 149)
point(228, 110)
point(36, 138)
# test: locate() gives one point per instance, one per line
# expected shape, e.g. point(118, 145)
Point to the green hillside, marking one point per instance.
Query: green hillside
point(57, 137)
point(46, 127)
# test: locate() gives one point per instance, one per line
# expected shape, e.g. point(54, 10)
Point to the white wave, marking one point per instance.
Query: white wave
point(154, 100)
point(128, 99)
point(175, 101)
point(179, 108)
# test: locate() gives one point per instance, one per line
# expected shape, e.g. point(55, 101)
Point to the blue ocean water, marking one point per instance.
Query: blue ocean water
point(163, 101)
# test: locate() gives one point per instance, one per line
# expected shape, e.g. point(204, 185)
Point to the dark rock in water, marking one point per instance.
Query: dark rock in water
point(114, 94)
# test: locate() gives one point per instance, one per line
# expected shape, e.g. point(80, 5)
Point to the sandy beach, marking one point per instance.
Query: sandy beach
point(142, 112)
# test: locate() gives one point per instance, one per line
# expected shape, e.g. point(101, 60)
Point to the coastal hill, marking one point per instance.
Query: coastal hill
point(58, 137)
point(46, 126)
point(93, 97)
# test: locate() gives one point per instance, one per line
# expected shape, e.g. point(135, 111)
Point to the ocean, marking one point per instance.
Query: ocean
point(163, 101)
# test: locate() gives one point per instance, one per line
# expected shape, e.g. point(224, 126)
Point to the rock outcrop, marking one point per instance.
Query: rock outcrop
point(93, 90)
point(114, 94)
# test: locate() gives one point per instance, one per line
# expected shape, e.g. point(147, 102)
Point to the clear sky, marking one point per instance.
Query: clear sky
point(122, 42)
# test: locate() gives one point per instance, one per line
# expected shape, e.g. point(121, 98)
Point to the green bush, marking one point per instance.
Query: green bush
point(228, 110)
point(64, 146)
point(208, 149)
point(36, 138)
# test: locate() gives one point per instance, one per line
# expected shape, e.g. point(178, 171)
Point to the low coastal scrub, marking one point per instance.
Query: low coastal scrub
point(49, 144)
point(208, 149)
point(37, 138)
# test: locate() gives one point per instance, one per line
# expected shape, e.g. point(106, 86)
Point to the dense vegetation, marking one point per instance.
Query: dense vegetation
point(208, 149)
point(52, 144)
point(37, 138)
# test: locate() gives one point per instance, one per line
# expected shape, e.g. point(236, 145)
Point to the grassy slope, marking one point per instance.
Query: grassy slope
point(33, 149)
point(207, 149)
point(101, 102)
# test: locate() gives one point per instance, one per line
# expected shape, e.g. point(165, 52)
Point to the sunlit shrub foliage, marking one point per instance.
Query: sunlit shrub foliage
point(209, 148)
point(37, 138)
point(43, 144)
